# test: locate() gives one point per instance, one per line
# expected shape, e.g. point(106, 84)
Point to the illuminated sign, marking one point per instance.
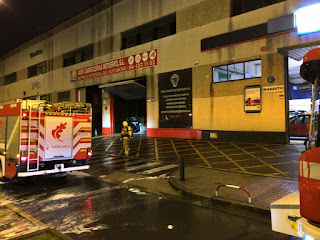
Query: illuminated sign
point(307, 19)
point(134, 62)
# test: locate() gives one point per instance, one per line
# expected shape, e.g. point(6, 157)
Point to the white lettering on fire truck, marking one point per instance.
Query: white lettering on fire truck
point(60, 146)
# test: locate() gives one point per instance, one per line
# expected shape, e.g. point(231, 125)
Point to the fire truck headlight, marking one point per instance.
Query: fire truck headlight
point(23, 158)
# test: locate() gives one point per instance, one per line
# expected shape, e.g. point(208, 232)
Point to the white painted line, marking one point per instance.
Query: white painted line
point(158, 169)
point(150, 164)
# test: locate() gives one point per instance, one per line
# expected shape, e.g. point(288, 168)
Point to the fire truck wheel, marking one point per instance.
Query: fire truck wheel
point(58, 175)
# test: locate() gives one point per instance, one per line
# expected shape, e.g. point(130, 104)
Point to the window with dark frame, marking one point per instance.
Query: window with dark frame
point(150, 31)
point(64, 96)
point(46, 97)
point(237, 71)
point(77, 56)
point(10, 78)
point(37, 69)
point(242, 6)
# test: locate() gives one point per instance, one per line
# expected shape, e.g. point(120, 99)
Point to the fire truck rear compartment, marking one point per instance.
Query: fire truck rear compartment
point(39, 138)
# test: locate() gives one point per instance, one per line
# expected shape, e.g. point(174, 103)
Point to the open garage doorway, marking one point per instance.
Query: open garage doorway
point(300, 95)
point(128, 104)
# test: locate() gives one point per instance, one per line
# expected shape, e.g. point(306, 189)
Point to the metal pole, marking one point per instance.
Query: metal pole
point(314, 95)
point(181, 169)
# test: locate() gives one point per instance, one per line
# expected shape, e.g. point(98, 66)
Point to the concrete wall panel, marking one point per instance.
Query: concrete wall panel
point(211, 11)
point(153, 106)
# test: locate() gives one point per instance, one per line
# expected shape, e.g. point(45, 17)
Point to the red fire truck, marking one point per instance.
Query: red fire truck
point(37, 138)
point(309, 162)
point(298, 214)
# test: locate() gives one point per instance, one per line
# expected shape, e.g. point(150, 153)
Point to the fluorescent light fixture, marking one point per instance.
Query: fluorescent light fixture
point(307, 19)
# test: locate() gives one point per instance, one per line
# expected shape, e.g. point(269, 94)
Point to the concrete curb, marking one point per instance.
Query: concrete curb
point(154, 185)
point(163, 186)
point(240, 208)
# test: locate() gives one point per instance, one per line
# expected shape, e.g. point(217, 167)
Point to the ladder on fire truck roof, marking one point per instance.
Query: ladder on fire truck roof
point(33, 108)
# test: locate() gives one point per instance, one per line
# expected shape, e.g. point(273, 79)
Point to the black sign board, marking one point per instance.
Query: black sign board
point(175, 99)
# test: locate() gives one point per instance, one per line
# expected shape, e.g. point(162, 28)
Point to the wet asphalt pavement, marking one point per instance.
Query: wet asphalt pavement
point(268, 160)
point(86, 207)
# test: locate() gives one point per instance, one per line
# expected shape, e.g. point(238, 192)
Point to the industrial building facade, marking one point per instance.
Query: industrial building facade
point(199, 69)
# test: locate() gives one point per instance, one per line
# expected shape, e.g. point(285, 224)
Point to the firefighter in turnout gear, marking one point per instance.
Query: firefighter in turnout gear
point(126, 136)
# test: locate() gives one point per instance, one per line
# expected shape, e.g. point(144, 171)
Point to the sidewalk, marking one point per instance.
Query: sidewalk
point(200, 185)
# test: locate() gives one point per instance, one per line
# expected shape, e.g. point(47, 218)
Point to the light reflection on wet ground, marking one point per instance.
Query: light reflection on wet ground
point(84, 207)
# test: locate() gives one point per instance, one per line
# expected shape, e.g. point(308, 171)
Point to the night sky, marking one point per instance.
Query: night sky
point(23, 20)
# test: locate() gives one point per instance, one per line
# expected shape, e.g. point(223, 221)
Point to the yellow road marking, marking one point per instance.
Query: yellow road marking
point(175, 150)
point(99, 143)
point(6, 216)
point(220, 162)
point(261, 160)
point(110, 145)
point(156, 149)
point(138, 151)
point(278, 154)
point(202, 157)
point(230, 159)
point(27, 216)
point(3, 212)
point(97, 136)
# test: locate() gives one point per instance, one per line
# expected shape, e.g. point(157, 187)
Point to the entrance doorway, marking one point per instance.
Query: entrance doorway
point(133, 111)
point(129, 104)
point(300, 95)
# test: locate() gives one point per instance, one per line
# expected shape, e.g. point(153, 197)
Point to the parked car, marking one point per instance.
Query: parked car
point(300, 125)
point(296, 112)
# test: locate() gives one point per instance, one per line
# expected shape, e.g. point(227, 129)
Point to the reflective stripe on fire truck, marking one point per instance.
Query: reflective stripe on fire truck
point(81, 120)
point(79, 142)
point(309, 170)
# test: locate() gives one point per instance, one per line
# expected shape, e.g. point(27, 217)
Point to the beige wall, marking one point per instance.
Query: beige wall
point(153, 105)
point(203, 13)
point(215, 106)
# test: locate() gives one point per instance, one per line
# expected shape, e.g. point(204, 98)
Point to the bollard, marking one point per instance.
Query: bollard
point(181, 169)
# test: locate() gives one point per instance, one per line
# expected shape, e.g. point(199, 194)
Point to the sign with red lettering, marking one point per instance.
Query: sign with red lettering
point(58, 137)
point(137, 61)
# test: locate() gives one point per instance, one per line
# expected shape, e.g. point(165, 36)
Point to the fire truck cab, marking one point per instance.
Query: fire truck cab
point(37, 138)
